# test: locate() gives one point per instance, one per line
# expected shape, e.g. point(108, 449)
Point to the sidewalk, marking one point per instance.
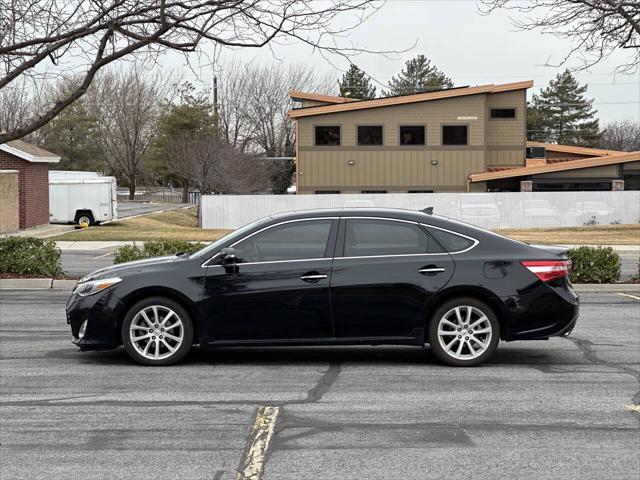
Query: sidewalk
point(89, 245)
point(43, 231)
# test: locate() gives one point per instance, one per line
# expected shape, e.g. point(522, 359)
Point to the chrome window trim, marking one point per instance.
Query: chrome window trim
point(204, 264)
point(276, 261)
point(395, 255)
point(474, 240)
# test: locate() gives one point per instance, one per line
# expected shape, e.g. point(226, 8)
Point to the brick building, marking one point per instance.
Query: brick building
point(32, 164)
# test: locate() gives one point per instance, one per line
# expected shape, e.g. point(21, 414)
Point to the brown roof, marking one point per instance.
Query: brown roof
point(557, 167)
point(29, 152)
point(316, 97)
point(404, 99)
point(554, 147)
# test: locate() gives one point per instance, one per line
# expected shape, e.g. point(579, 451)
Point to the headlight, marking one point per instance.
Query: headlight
point(95, 286)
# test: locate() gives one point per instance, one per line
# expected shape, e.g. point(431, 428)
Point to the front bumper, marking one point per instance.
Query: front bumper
point(101, 313)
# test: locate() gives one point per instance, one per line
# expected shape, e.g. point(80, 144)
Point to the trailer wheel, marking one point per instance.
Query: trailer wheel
point(84, 217)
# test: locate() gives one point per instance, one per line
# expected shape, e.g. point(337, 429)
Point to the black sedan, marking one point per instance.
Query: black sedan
point(332, 277)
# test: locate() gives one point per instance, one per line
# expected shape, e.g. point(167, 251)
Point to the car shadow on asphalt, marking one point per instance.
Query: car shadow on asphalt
point(264, 356)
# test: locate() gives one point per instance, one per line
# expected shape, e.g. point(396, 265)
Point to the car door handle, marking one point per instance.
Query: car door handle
point(312, 278)
point(431, 270)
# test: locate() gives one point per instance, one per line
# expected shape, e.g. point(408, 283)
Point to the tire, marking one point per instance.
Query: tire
point(85, 217)
point(157, 346)
point(446, 333)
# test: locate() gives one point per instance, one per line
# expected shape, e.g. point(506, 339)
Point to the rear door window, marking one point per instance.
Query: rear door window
point(375, 237)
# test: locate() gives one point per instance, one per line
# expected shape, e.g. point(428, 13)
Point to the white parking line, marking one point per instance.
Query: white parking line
point(104, 255)
point(630, 296)
point(253, 461)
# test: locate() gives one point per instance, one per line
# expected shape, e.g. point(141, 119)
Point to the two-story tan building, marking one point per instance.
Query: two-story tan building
point(426, 142)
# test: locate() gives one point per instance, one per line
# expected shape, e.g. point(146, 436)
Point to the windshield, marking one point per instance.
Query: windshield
point(229, 236)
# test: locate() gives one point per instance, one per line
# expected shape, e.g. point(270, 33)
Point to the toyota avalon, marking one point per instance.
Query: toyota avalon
point(332, 277)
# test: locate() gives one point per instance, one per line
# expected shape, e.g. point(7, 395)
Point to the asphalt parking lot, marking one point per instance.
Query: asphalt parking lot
point(555, 409)
point(130, 209)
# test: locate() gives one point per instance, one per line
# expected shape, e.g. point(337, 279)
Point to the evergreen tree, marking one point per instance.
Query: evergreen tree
point(419, 75)
point(189, 118)
point(561, 114)
point(355, 83)
point(73, 136)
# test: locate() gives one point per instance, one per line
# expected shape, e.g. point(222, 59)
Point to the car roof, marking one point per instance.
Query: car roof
point(418, 216)
point(400, 213)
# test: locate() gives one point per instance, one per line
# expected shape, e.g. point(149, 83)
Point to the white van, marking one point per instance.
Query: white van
point(82, 197)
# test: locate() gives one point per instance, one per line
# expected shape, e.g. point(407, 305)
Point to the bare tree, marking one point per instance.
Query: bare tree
point(45, 38)
point(127, 106)
point(233, 104)
point(622, 135)
point(597, 28)
point(20, 100)
point(269, 103)
point(212, 165)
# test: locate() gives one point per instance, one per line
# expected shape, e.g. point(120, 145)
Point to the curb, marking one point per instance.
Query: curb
point(36, 284)
point(606, 287)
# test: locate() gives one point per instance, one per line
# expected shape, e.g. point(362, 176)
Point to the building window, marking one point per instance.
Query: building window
point(374, 191)
point(503, 113)
point(536, 152)
point(412, 135)
point(327, 192)
point(327, 135)
point(420, 191)
point(454, 135)
point(370, 135)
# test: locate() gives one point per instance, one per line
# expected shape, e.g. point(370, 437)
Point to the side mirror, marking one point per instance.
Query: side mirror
point(228, 256)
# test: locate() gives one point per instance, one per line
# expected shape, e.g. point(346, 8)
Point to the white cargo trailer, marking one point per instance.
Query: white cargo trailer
point(82, 197)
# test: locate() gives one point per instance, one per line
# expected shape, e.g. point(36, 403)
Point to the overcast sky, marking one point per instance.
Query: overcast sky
point(472, 49)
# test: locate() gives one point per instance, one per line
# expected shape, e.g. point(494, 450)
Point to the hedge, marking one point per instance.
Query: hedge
point(594, 265)
point(154, 248)
point(30, 256)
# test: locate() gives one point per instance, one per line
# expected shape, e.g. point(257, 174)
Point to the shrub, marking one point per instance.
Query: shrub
point(636, 277)
point(154, 248)
point(30, 256)
point(594, 265)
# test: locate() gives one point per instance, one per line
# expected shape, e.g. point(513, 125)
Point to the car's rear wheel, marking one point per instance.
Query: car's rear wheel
point(464, 332)
point(157, 331)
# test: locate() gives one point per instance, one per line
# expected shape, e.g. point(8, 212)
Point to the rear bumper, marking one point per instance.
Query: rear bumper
point(541, 312)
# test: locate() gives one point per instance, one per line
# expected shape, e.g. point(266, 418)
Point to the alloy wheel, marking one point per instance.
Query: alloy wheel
point(464, 332)
point(156, 332)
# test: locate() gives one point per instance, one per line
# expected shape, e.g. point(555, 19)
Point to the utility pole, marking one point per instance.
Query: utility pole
point(215, 104)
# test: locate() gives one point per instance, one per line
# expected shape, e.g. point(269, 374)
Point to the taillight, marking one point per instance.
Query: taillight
point(547, 270)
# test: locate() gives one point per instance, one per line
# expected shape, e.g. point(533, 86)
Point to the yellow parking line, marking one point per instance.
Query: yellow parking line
point(253, 462)
point(630, 296)
point(633, 408)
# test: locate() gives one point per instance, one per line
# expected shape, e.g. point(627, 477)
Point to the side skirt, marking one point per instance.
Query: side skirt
point(316, 341)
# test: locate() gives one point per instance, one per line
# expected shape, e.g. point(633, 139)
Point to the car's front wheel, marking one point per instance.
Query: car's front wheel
point(464, 332)
point(157, 331)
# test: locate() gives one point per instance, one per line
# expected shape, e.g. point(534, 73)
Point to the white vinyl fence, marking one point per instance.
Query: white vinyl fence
point(488, 210)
